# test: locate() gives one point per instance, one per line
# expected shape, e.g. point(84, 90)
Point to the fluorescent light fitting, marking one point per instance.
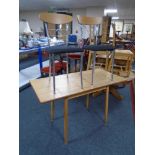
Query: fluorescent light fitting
point(115, 17)
point(106, 11)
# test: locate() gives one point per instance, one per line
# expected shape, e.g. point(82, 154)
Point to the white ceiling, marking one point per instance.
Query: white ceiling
point(27, 5)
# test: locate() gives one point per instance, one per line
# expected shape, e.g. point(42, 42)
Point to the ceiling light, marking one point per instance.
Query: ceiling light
point(115, 17)
point(106, 11)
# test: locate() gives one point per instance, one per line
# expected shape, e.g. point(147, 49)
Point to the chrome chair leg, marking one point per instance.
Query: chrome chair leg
point(112, 69)
point(93, 69)
point(81, 68)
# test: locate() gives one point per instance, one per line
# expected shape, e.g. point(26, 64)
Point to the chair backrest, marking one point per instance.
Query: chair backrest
point(85, 20)
point(53, 19)
point(102, 58)
point(89, 21)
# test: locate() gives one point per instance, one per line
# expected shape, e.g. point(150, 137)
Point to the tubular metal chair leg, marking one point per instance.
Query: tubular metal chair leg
point(93, 69)
point(81, 68)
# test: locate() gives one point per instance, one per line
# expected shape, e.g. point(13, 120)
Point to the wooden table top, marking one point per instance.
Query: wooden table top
point(122, 54)
point(72, 86)
point(123, 51)
point(121, 41)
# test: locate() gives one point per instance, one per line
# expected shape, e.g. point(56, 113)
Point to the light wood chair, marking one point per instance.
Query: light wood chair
point(103, 58)
point(51, 21)
point(122, 62)
point(92, 22)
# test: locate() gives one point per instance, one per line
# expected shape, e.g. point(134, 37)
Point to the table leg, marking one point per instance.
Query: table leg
point(66, 120)
point(53, 72)
point(89, 60)
point(52, 111)
point(112, 70)
point(106, 105)
point(87, 101)
point(132, 98)
point(115, 93)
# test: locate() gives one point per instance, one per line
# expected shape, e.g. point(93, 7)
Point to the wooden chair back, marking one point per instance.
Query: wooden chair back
point(103, 58)
point(122, 62)
point(55, 18)
point(91, 22)
point(85, 20)
point(51, 20)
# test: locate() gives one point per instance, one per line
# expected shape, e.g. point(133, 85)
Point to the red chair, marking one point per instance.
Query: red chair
point(76, 56)
point(60, 65)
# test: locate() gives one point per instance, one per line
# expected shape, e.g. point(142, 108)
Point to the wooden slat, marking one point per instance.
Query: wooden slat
point(85, 20)
point(66, 121)
point(55, 18)
point(52, 110)
point(106, 105)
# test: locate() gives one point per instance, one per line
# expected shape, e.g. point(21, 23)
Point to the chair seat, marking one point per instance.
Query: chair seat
point(58, 67)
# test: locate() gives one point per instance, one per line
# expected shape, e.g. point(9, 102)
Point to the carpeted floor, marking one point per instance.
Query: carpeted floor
point(88, 135)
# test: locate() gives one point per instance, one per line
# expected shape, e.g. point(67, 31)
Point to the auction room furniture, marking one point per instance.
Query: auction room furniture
point(89, 81)
point(122, 62)
point(88, 26)
point(69, 89)
point(93, 31)
point(122, 66)
point(56, 20)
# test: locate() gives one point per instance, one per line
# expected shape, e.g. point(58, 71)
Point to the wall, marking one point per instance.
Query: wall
point(32, 17)
point(76, 12)
point(95, 11)
point(36, 25)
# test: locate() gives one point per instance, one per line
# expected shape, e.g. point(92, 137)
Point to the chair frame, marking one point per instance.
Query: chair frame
point(91, 21)
point(54, 18)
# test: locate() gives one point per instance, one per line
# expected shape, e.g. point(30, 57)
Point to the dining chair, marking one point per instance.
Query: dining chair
point(52, 24)
point(93, 28)
point(122, 62)
point(90, 28)
point(87, 26)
